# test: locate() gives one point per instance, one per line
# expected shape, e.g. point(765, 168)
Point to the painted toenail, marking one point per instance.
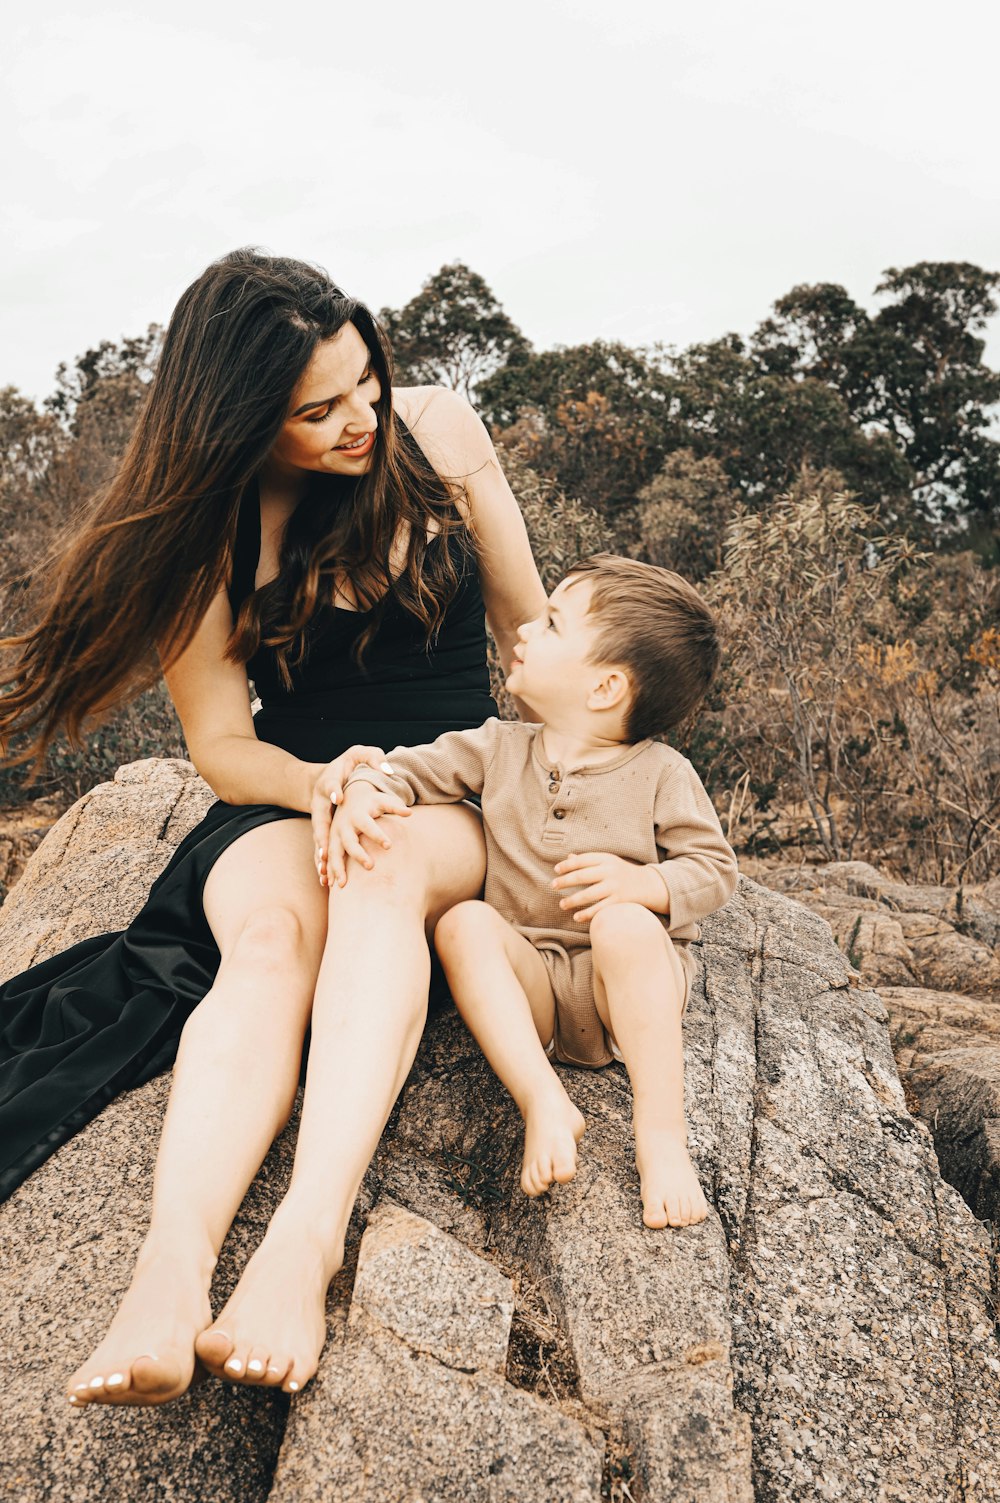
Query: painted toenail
point(272, 1369)
point(97, 1382)
point(73, 1399)
point(116, 1380)
point(293, 1386)
point(81, 1387)
point(234, 1365)
point(255, 1366)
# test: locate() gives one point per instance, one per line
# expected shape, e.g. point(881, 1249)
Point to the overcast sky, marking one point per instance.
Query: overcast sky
point(639, 171)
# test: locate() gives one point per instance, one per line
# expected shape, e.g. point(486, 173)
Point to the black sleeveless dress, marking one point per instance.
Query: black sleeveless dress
point(107, 1014)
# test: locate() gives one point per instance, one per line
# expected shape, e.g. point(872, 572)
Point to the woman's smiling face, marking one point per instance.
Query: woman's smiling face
point(333, 419)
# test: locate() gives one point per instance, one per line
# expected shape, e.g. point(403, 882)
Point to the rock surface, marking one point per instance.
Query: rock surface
point(932, 952)
point(829, 1332)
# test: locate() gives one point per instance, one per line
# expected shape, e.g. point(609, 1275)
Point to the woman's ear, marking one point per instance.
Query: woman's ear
point(611, 692)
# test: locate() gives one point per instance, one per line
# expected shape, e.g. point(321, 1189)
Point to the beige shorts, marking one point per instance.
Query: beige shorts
point(580, 1038)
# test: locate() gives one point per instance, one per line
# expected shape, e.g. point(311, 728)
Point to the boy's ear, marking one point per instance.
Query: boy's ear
point(611, 690)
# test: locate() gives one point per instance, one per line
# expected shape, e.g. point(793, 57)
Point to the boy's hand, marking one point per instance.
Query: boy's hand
point(362, 806)
point(328, 794)
point(605, 879)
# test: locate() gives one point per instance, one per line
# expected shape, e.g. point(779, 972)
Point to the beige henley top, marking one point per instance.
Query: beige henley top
point(646, 805)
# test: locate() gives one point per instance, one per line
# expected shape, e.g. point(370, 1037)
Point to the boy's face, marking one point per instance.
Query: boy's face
point(551, 668)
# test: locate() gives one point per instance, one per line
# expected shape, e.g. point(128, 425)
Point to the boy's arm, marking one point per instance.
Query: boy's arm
point(442, 772)
point(700, 871)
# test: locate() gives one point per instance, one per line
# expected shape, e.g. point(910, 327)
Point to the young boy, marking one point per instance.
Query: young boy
point(603, 852)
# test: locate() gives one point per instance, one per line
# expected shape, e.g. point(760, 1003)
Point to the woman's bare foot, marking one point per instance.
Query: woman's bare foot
point(148, 1355)
point(671, 1191)
point(552, 1129)
point(273, 1327)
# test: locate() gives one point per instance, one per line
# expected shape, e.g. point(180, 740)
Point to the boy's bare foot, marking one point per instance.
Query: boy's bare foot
point(671, 1192)
point(273, 1327)
point(552, 1129)
point(148, 1355)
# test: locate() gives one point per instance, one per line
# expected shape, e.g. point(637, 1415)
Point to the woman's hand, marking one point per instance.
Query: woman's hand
point(328, 792)
point(362, 806)
point(605, 879)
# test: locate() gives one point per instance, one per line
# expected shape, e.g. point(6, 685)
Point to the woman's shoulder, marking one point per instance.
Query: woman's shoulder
point(445, 425)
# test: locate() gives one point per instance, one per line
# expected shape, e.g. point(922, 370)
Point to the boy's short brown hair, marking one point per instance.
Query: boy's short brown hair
point(654, 624)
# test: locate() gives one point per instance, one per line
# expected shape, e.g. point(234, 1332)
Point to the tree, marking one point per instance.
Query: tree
point(453, 333)
point(765, 425)
point(31, 443)
point(596, 418)
point(913, 375)
point(682, 514)
point(108, 382)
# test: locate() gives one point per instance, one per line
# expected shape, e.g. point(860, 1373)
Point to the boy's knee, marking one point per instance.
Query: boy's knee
point(468, 920)
point(622, 928)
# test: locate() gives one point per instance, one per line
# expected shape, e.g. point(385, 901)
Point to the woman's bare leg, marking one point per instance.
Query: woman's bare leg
point(368, 1016)
point(233, 1088)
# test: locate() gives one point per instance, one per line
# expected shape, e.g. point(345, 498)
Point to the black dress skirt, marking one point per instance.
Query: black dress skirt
point(107, 1014)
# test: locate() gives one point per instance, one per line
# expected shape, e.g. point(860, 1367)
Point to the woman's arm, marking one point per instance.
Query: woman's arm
point(212, 700)
point(211, 697)
point(459, 447)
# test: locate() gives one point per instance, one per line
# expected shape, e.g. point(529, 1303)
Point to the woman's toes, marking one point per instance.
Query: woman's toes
point(214, 1348)
point(276, 1371)
point(256, 1367)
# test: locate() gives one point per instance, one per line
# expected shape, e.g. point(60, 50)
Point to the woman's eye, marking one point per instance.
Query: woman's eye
point(368, 376)
point(321, 417)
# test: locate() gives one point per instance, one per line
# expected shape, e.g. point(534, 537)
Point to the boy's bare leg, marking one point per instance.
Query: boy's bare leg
point(639, 991)
point(501, 988)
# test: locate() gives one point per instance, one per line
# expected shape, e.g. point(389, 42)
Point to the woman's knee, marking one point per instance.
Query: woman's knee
point(273, 940)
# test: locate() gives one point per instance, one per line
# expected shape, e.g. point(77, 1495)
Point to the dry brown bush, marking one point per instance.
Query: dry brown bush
point(860, 696)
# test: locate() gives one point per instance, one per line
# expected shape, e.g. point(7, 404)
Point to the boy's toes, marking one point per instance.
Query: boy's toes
point(564, 1167)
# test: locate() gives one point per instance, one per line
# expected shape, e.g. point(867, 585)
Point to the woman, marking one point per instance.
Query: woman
point(280, 511)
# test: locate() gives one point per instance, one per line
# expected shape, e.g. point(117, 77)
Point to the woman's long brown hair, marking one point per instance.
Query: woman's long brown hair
point(155, 546)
